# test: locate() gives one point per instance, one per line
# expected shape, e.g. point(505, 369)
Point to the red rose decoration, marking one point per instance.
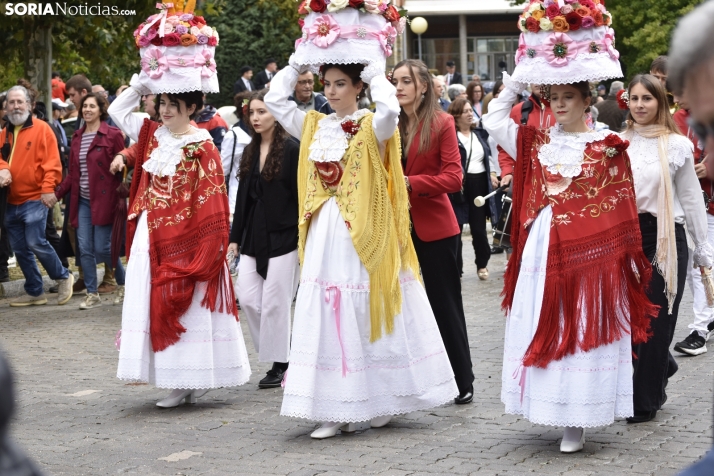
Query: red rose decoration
point(302, 10)
point(199, 20)
point(552, 11)
point(623, 99)
point(532, 25)
point(612, 140)
point(212, 41)
point(356, 3)
point(351, 128)
point(172, 39)
point(574, 21)
point(157, 41)
point(301, 23)
point(318, 6)
point(330, 173)
point(391, 14)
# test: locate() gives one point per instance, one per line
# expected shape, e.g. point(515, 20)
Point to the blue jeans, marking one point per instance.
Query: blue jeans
point(95, 243)
point(25, 225)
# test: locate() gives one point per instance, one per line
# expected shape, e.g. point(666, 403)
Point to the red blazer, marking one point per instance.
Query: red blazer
point(432, 175)
point(102, 185)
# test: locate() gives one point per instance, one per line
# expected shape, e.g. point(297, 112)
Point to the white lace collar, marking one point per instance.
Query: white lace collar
point(169, 153)
point(330, 142)
point(565, 152)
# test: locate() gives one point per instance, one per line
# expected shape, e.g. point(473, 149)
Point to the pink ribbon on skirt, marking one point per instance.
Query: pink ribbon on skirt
point(335, 291)
point(520, 373)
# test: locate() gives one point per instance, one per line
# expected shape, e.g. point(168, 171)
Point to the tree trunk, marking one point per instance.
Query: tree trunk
point(38, 59)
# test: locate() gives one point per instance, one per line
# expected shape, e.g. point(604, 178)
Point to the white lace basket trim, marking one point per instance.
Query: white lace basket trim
point(330, 142)
point(164, 158)
point(564, 154)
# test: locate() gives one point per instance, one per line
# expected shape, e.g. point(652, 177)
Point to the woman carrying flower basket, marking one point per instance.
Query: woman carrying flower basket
point(668, 196)
point(179, 321)
point(575, 286)
point(365, 343)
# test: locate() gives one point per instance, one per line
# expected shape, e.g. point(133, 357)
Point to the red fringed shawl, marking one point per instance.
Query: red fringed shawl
point(187, 215)
point(597, 273)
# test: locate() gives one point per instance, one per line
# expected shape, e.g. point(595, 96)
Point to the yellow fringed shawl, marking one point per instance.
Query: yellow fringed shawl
point(373, 201)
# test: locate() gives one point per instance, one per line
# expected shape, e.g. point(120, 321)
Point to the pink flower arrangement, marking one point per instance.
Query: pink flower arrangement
point(174, 27)
point(395, 16)
point(549, 15)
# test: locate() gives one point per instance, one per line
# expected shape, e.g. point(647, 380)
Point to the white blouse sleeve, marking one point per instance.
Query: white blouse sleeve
point(121, 111)
point(689, 194)
point(285, 111)
point(386, 115)
point(498, 122)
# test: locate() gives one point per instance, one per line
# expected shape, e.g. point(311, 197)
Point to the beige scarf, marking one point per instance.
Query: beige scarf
point(666, 254)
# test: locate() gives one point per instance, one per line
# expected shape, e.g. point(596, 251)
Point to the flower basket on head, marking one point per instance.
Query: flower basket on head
point(177, 50)
point(347, 32)
point(566, 42)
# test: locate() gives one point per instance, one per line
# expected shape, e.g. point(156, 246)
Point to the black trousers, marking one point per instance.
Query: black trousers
point(654, 363)
point(439, 270)
point(5, 249)
point(477, 185)
point(54, 238)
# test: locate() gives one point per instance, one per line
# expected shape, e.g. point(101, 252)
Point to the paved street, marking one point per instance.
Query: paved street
point(75, 418)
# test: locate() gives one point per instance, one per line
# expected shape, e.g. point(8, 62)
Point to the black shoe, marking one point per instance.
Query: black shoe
point(465, 397)
point(495, 250)
point(272, 379)
point(693, 344)
point(4, 275)
point(710, 330)
point(641, 417)
point(54, 289)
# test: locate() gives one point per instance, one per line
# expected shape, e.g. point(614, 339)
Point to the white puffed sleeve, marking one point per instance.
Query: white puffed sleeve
point(283, 109)
point(498, 122)
point(121, 111)
point(386, 115)
point(689, 195)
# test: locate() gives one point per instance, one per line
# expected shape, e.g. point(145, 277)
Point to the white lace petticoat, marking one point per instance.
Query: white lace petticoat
point(586, 389)
point(342, 376)
point(210, 354)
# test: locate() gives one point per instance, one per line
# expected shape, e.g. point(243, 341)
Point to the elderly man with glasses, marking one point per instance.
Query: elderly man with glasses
point(306, 98)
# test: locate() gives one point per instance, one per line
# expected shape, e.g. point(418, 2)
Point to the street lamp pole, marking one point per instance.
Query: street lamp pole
point(418, 27)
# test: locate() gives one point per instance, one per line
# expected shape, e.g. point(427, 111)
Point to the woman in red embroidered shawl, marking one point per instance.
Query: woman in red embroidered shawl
point(179, 324)
point(575, 285)
point(574, 288)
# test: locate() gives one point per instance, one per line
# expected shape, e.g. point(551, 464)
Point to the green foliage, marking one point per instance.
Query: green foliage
point(250, 32)
point(644, 29)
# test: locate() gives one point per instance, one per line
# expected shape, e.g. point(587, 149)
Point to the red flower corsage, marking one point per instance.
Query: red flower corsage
point(623, 99)
point(615, 145)
point(246, 102)
point(351, 128)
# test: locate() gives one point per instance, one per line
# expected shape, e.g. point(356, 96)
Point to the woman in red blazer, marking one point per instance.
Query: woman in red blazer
point(432, 168)
point(93, 202)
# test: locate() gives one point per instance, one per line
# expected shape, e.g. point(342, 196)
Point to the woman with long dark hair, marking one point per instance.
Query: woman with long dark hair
point(668, 197)
point(477, 182)
point(432, 170)
point(265, 231)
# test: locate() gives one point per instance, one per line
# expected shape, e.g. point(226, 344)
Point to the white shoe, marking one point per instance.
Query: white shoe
point(91, 301)
point(175, 397)
point(119, 298)
point(571, 443)
point(329, 429)
point(380, 421)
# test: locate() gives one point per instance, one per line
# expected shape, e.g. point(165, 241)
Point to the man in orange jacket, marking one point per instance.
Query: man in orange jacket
point(32, 169)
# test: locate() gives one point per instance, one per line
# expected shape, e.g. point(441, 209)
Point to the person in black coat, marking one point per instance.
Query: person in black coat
point(475, 154)
point(452, 76)
point(244, 83)
point(265, 225)
point(262, 79)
